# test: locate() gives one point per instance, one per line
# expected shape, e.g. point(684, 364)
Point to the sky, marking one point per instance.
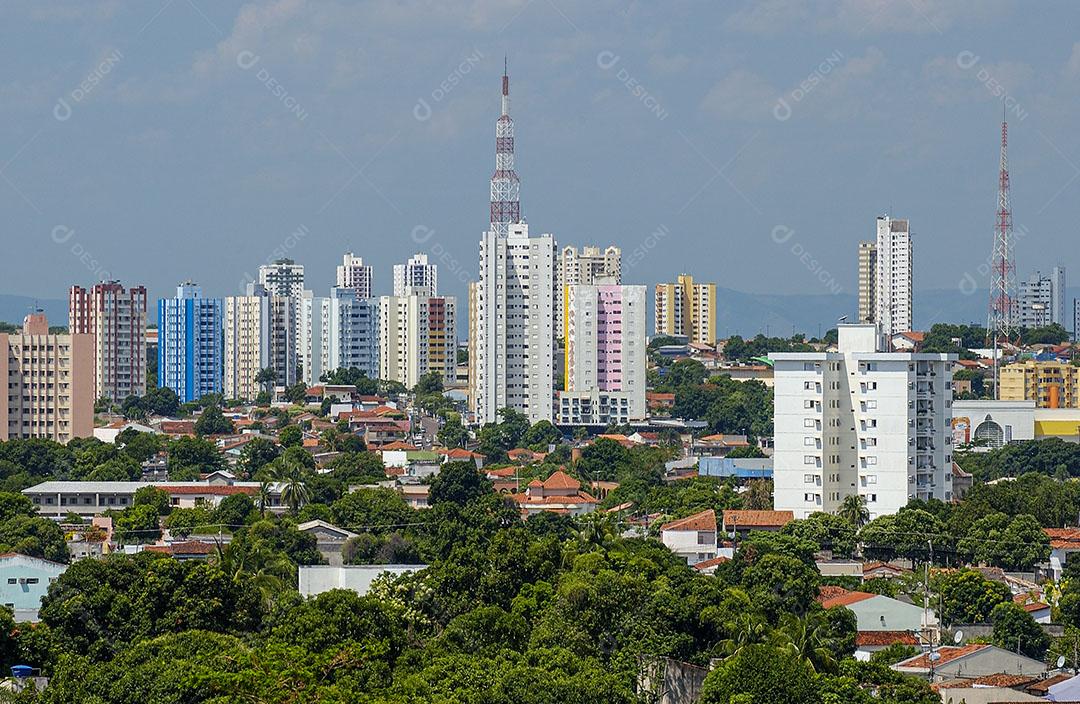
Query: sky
point(751, 144)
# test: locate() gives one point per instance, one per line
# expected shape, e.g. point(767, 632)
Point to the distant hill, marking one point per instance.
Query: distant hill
point(14, 308)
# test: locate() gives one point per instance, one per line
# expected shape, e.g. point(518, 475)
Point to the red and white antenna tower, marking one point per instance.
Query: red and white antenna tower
point(1000, 324)
point(505, 185)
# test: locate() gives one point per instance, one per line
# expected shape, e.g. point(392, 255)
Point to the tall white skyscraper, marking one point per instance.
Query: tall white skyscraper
point(340, 331)
point(892, 291)
point(514, 325)
point(285, 277)
point(416, 337)
point(417, 274)
point(606, 355)
point(589, 265)
point(353, 273)
point(861, 421)
point(1040, 300)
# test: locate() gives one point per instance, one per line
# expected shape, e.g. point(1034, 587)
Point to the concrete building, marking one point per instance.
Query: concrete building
point(861, 421)
point(259, 334)
point(991, 424)
point(353, 273)
point(417, 274)
point(116, 318)
point(50, 383)
point(416, 337)
point(472, 346)
point(587, 266)
point(867, 281)
point(339, 332)
point(24, 580)
point(57, 499)
point(606, 355)
point(687, 308)
point(1040, 300)
point(191, 343)
point(284, 277)
point(692, 538)
point(1050, 384)
point(316, 579)
point(968, 662)
point(892, 289)
point(514, 326)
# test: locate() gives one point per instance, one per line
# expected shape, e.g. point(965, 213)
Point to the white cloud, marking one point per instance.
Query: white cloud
point(740, 95)
point(860, 17)
point(1072, 66)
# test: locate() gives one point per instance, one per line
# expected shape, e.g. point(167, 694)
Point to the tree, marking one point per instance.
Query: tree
point(826, 531)
point(137, 524)
point(191, 456)
point(162, 401)
point(288, 473)
point(256, 454)
point(761, 673)
point(453, 433)
point(758, 495)
point(297, 393)
point(541, 435)
point(1015, 629)
point(603, 460)
point(459, 483)
point(213, 422)
point(265, 378)
point(430, 383)
point(155, 498)
point(34, 536)
point(968, 597)
point(781, 583)
point(133, 408)
point(853, 510)
point(291, 436)
point(364, 509)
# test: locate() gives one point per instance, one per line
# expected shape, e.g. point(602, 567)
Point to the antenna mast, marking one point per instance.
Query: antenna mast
point(1000, 324)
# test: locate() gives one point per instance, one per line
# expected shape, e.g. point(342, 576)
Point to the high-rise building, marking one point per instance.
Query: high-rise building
point(355, 274)
point(606, 351)
point(339, 332)
point(1040, 300)
point(686, 308)
point(416, 337)
point(1050, 384)
point(867, 281)
point(587, 266)
point(418, 275)
point(285, 277)
point(116, 318)
point(892, 290)
point(50, 383)
point(861, 421)
point(473, 347)
point(191, 343)
point(259, 334)
point(515, 321)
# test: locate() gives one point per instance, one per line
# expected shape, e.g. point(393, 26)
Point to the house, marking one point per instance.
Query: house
point(717, 445)
point(743, 522)
point(693, 537)
point(709, 566)
point(1063, 543)
point(880, 613)
point(909, 341)
point(417, 463)
point(109, 432)
point(184, 550)
point(559, 493)
point(741, 468)
point(969, 661)
point(881, 570)
point(989, 689)
point(56, 499)
point(316, 579)
point(869, 642)
point(24, 580)
point(329, 539)
point(460, 454)
point(416, 495)
point(1064, 690)
point(1034, 606)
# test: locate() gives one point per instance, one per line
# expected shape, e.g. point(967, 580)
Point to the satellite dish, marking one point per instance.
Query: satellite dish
point(934, 657)
point(1061, 661)
point(958, 637)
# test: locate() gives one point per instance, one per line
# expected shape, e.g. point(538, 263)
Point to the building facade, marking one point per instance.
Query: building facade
point(515, 322)
point(605, 355)
point(1040, 300)
point(867, 281)
point(191, 345)
point(116, 318)
point(892, 290)
point(259, 334)
point(861, 421)
point(419, 276)
point(353, 273)
point(687, 308)
point(50, 383)
point(416, 337)
point(339, 332)
point(587, 266)
point(1050, 384)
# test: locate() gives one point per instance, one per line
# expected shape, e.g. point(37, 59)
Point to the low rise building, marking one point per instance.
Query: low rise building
point(559, 493)
point(24, 580)
point(57, 499)
point(316, 579)
point(743, 522)
point(969, 661)
point(692, 538)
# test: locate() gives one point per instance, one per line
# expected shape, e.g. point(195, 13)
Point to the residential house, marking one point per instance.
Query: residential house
point(720, 445)
point(692, 538)
point(880, 613)
point(329, 539)
point(969, 661)
point(869, 642)
point(24, 580)
point(185, 549)
point(559, 493)
point(416, 495)
point(744, 522)
point(1063, 543)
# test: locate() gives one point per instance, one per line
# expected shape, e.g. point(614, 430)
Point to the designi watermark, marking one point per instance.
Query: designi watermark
point(782, 235)
point(422, 234)
point(968, 60)
point(62, 235)
point(422, 110)
point(608, 60)
point(782, 111)
point(64, 107)
point(639, 253)
point(247, 60)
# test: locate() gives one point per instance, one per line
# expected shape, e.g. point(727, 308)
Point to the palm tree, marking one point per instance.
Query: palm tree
point(854, 511)
point(262, 497)
point(288, 474)
point(806, 638)
point(271, 573)
point(746, 629)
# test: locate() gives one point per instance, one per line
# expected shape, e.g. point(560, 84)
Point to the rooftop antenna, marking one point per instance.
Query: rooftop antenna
point(1002, 267)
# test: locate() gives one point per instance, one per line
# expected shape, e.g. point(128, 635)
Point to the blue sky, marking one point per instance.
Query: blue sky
point(751, 144)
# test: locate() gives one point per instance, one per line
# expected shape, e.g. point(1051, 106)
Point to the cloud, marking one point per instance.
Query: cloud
point(740, 95)
point(253, 22)
point(1072, 66)
point(859, 17)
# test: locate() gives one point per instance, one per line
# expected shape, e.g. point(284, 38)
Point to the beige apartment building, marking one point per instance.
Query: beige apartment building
point(50, 380)
point(416, 337)
point(1048, 384)
point(259, 334)
point(687, 308)
point(116, 318)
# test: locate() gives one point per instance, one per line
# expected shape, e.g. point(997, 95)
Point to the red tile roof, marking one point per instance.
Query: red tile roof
point(757, 519)
point(398, 445)
point(846, 599)
point(705, 564)
point(948, 653)
point(1063, 538)
point(706, 520)
point(829, 591)
point(1042, 686)
point(727, 440)
point(999, 679)
point(190, 547)
point(561, 480)
point(884, 638)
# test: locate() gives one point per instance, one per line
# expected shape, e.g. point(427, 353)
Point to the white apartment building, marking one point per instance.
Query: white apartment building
point(418, 275)
point(117, 320)
point(1040, 300)
point(353, 273)
point(589, 265)
point(340, 331)
point(892, 292)
point(861, 421)
point(605, 355)
point(259, 334)
point(416, 337)
point(285, 277)
point(514, 325)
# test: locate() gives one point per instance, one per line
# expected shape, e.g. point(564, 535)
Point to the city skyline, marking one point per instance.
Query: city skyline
point(640, 84)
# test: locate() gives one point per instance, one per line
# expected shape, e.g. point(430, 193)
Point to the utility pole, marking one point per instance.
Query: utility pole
point(926, 608)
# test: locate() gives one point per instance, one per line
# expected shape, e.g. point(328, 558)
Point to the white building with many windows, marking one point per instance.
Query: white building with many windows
point(585, 266)
point(892, 290)
point(861, 421)
point(515, 325)
point(416, 337)
point(259, 334)
point(339, 332)
point(419, 276)
point(1040, 300)
point(353, 273)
